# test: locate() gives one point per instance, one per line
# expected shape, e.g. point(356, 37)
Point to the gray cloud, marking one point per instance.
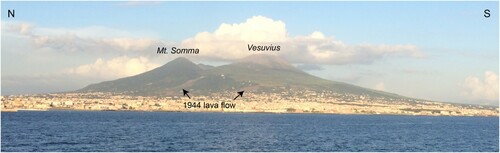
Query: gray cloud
point(90, 39)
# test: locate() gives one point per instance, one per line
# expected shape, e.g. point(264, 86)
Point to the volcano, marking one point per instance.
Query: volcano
point(255, 73)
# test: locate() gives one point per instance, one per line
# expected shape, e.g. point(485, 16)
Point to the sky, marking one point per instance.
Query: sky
point(443, 51)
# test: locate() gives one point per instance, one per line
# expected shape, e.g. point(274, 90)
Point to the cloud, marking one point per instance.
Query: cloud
point(74, 43)
point(230, 41)
point(114, 68)
point(316, 48)
point(21, 28)
point(482, 90)
point(88, 39)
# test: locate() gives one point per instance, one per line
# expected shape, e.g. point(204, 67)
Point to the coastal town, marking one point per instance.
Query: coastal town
point(284, 102)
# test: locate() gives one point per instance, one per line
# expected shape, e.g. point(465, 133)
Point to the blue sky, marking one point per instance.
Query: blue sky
point(455, 39)
point(354, 22)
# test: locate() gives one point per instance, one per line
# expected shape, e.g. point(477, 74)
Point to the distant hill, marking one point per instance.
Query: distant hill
point(256, 73)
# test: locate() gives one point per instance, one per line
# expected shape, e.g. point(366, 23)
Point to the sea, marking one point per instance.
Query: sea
point(95, 131)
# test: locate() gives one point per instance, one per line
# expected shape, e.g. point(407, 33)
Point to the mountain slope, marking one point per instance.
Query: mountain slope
point(170, 75)
point(274, 73)
point(256, 73)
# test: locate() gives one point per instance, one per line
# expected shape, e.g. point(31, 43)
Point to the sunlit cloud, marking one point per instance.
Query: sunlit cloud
point(229, 42)
point(485, 89)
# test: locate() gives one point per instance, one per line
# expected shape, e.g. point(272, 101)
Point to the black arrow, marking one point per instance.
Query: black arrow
point(186, 93)
point(240, 94)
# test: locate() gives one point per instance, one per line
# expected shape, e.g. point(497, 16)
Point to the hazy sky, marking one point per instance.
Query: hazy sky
point(445, 51)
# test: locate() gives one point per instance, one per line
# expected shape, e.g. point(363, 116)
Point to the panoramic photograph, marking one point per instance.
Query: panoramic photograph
point(254, 76)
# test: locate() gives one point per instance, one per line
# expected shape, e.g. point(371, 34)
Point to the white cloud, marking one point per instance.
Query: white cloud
point(255, 29)
point(114, 68)
point(230, 41)
point(477, 89)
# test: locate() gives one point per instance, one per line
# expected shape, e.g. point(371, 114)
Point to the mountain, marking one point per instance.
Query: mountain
point(169, 76)
point(255, 73)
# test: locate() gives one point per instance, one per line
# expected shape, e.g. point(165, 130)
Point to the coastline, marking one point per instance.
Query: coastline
point(243, 112)
point(250, 104)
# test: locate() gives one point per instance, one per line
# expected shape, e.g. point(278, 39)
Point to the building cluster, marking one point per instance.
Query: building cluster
point(283, 102)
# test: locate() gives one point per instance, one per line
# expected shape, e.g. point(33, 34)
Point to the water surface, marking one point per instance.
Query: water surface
point(175, 131)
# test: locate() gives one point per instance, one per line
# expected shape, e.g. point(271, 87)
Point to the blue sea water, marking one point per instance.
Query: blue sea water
point(176, 131)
